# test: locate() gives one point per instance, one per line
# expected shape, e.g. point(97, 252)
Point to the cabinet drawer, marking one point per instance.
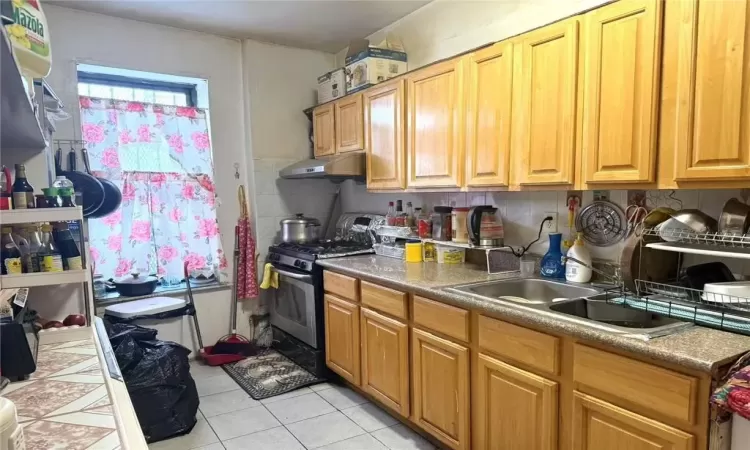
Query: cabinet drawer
point(664, 391)
point(389, 301)
point(446, 319)
point(341, 285)
point(533, 348)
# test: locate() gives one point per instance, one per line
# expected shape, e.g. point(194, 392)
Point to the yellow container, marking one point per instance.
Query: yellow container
point(429, 252)
point(413, 252)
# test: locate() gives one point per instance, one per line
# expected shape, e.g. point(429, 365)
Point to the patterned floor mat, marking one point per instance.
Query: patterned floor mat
point(269, 373)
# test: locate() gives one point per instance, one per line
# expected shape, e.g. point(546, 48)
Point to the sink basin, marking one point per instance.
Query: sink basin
point(611, 314)
point(582, 305)
point(618, 318)
point(533, 291)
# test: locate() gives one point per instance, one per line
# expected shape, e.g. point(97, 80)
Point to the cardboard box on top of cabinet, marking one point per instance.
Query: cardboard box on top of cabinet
point(369, 65)
point(331, 85)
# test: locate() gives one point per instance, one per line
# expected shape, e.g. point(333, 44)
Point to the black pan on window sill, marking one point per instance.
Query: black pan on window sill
point(135, 285)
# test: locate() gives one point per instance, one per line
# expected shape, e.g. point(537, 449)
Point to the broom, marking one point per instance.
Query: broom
point(234, 343)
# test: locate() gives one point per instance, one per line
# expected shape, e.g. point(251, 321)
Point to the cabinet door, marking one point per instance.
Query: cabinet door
point(348, 120)
point(440, 371)
point(435, 132)
point(323, 131)
point(488, 112)
point(385, 360)
point(596, 422)
point(513, 409)
point(384, 135)
point(712, 119)
point(621, 91)
point(342, 337)
point(544, 112)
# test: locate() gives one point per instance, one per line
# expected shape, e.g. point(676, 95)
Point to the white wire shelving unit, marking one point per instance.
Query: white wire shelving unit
point(31, 280)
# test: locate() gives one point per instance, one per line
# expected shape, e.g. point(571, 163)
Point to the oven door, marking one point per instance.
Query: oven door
point(293, 305)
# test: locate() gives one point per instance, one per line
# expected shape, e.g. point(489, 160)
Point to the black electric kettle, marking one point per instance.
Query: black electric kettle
point(483, 226)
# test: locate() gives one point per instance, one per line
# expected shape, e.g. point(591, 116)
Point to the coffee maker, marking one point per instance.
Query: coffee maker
point(485, 226)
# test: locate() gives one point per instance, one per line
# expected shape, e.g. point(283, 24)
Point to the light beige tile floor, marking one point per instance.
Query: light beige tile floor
point(324, 416)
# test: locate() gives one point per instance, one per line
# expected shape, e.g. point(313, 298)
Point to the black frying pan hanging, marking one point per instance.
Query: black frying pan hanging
point(112, 195)
point(90, 188)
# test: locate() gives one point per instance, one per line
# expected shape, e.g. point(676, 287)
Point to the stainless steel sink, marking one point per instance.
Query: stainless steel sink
point(615, 316)
point(532, 291)
point(582, 305)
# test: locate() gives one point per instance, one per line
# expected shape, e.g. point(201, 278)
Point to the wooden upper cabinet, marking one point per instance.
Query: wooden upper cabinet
point(385, 360)
point(435, 134)
point(323, 131)
point(596, 422)
point(545, 85)
point(342, 338)
point(489, 84)
point(710, 131)
point(348, 116)
point(513, 409)
point(385, 134)
point(440, 377)
point(622, 44)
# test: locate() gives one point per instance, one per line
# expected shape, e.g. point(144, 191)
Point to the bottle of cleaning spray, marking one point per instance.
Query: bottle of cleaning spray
point(552, 265)
point(574, 271)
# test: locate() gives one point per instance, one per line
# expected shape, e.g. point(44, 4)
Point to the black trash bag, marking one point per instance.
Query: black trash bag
point(124, 341)
point(157, 375)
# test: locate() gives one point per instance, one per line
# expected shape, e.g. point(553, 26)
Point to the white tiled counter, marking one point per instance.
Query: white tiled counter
point(71, 401)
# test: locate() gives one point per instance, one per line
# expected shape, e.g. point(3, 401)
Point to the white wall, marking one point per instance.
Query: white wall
point(257, 93)
point(282, 82)
point(444, 28)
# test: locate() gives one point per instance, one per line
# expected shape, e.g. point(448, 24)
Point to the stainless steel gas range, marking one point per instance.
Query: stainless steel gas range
point(297, 305)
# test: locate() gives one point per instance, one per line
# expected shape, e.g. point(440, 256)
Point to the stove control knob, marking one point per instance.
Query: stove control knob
point(297, 263)
point(302, 265)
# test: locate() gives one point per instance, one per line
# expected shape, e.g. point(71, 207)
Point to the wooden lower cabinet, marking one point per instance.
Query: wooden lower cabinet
point(440, 377)
point(342, 337)
point(598, 425)
point(513, 409)
point(385, 360)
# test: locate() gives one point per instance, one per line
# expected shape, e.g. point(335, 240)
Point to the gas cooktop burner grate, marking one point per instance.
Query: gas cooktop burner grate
point(323, 248)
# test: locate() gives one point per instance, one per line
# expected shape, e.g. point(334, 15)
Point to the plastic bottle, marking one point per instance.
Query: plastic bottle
point(574, 271)
point(11, 254)
point(67, 247)
point(409, 215)
point(390, 217)
point(50, 257)
point(31, 43)
point(400, 216)
point(552, 265)
point(62, 182)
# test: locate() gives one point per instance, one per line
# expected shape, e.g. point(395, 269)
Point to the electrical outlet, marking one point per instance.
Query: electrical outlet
point(551, 225)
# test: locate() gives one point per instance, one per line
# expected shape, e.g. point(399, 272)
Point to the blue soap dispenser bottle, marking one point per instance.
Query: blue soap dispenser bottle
point(552, 264)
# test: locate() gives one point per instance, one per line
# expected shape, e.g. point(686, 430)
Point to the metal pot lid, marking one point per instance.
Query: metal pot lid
point(136, 278)
point(300, 219)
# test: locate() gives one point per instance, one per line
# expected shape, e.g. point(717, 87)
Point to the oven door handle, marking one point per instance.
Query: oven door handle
point(296, 276)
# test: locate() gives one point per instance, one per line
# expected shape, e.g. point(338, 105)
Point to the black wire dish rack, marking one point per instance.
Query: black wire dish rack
point(675, 298)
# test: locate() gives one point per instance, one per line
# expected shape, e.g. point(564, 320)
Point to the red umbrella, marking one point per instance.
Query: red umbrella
point(246, 281)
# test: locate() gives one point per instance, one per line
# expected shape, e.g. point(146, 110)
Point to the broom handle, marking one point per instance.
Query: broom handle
point(195, 312)
point(235, 271)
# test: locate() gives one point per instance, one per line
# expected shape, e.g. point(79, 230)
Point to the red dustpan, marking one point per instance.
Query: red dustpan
point(209, 354)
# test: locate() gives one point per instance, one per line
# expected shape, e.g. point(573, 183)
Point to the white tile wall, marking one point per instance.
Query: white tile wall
point(277, 199)
point(522, 212)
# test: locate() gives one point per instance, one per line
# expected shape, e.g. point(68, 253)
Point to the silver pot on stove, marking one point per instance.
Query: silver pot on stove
point(300, 229)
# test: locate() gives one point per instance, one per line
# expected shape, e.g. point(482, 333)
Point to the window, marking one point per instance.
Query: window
point(119, 87)
point(149, 139)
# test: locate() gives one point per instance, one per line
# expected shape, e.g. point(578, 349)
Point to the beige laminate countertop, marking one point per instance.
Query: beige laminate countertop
point(697, 347)
point(71, 401)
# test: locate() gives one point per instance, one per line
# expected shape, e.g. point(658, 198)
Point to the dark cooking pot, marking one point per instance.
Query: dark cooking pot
point(135, 285)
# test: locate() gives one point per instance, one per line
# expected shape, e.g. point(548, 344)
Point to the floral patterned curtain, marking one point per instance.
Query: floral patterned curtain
point(160, 158)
